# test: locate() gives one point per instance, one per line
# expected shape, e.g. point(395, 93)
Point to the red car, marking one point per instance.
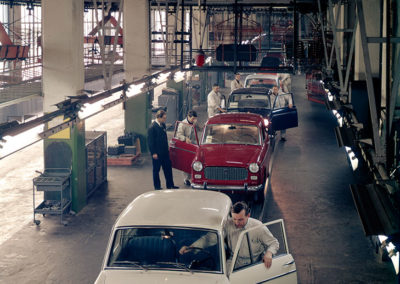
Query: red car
point(233, 153)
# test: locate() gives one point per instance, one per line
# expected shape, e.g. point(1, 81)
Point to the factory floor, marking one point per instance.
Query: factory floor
point(309, 191)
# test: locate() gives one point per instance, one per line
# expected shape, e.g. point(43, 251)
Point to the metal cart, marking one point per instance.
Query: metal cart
point(56, 185)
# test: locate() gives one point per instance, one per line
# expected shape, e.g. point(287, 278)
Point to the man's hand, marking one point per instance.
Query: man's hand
point(155, 156)
point(290, 105)
point(188, 140)
point(267, 259)
point(184, 250)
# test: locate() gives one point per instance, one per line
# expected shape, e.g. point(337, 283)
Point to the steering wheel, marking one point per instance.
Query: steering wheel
point(198, 262)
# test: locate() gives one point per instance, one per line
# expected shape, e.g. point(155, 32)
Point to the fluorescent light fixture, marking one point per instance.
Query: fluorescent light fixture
point(338, 117)
point(179, 76)
point(90, 109)
point(352, 158)
point(163, 77)
point(134, 90)
point(392, 252)
point(10, 144)
point(330, 97)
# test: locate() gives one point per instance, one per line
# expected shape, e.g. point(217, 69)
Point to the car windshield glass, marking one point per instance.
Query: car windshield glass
point(231, 134)
point(249, 101)
point(158, 248)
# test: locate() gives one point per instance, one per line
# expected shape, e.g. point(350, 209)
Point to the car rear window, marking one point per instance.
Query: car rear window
point(268, 83)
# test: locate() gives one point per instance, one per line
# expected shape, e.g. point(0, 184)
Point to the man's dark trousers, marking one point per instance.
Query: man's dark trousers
point(165, 163)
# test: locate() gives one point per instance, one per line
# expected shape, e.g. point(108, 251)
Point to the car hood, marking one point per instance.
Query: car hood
point(228, 155)
point(158, 277)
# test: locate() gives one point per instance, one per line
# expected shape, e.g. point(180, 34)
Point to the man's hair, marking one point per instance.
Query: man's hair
point(160, 113)
point(215, 85)
point(239, 206)
point(192, 113)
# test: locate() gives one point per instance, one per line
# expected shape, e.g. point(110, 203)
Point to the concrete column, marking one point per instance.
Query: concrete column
point(136, 39)
point(373, 20)
point(137, 64)
point(63, 75)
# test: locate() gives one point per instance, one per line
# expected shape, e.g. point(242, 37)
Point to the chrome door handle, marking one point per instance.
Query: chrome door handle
point(288, 263)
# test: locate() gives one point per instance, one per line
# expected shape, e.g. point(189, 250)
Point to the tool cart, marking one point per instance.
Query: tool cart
point(56, 186)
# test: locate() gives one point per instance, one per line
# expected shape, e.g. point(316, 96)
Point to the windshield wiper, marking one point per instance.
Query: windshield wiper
point(135, 263)
point(176, 264)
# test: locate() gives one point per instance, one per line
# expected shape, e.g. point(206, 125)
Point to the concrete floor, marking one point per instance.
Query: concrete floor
point(309, 190)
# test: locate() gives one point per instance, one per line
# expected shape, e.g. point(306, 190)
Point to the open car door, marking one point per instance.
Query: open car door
point(282, 270)
point(283, 117)
point(183, 146)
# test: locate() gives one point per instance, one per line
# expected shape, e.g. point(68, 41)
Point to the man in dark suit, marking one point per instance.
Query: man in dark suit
point(158, 145)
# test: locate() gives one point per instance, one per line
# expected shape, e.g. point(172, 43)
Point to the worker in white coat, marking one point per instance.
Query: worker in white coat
point(185, 132)
point(282, 100)
point(214, 100)
point(285, 82)
point(236, 84)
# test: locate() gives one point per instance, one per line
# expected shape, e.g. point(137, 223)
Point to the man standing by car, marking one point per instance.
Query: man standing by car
point(281, 100)
point(214, 99)
point(158, 146)
point(285, 82)
point(236, 84)
point(186, 133)
point(263, 243)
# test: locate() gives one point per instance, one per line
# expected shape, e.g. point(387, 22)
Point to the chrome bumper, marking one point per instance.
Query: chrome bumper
point(228, 187)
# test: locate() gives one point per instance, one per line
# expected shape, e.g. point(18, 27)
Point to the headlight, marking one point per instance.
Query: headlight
point(254, 168)
point(266, 122)
point(197, 166)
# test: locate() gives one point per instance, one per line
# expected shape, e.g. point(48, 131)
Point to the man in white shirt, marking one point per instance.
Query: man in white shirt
point(264, 244)
point(285, 82)
point(283, 100)
point(214, 99)
point(236, 84)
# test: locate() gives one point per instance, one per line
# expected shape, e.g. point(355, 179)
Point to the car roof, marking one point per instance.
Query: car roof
point(262, 76)
point(252, 90)
point(235, 117)
point(184, 207)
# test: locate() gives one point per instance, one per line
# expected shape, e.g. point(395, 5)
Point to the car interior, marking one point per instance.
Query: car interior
point(154, 247)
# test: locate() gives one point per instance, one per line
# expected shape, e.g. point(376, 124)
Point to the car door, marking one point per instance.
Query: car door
point(283, 117)
point(181, 152)
point(283, 268)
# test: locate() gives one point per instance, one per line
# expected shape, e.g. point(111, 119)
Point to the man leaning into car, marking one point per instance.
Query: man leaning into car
point(263, 243)
point(186, 133)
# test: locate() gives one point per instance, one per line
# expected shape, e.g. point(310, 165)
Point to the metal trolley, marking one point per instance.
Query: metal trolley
point(56, 185)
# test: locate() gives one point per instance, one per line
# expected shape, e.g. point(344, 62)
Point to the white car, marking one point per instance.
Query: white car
point(146, 238)
point(267, 80)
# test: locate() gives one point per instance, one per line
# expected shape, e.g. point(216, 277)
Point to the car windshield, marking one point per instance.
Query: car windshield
point(268, 83)
point(158, 248)
point(231, 134)
point(249, 101)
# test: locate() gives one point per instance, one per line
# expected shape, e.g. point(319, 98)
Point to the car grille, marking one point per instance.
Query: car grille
point(225, 173)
